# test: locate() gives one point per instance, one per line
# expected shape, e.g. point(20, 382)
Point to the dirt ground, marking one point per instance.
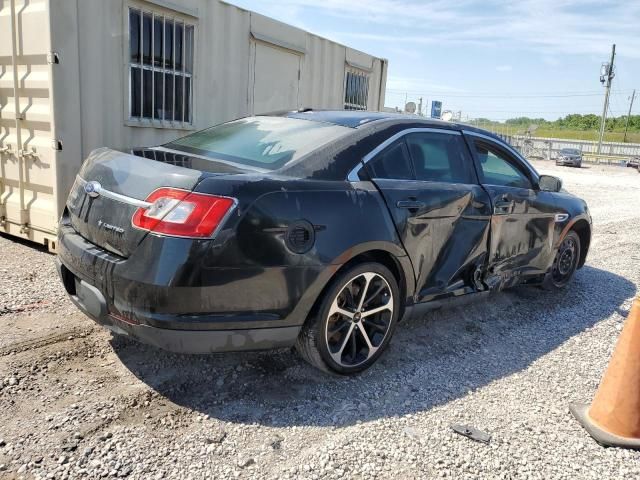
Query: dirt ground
point(76, 402)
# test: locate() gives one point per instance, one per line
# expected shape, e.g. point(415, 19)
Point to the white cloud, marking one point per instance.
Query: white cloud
point(504, 68)
point(547, 27)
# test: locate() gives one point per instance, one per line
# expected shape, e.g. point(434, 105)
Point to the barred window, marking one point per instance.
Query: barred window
point(356, 90)
point(160, 68)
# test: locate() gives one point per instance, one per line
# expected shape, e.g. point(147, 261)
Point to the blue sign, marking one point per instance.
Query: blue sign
point(436, 109)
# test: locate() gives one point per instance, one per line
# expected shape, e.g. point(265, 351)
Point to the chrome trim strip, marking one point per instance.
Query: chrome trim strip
point(401, 134)
point(353, 174)
point(145, 205)
point(508, 147)
point(114, 196)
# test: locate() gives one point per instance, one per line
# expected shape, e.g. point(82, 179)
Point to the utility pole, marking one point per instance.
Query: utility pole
point(606, 76)
point(626, 127)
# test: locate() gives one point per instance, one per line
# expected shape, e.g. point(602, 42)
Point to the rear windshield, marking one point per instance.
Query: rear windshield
point(264, 142)
point(570, 151)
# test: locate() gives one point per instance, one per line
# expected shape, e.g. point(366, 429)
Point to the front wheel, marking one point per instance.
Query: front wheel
point(354, 322)
point(565, 263)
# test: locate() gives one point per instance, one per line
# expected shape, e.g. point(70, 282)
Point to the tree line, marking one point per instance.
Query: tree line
point(575, 121)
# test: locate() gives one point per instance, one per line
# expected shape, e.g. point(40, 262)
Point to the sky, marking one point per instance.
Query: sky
point(495, 59)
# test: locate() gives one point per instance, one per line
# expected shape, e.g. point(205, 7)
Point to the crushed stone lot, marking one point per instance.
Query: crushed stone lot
point(78, 403)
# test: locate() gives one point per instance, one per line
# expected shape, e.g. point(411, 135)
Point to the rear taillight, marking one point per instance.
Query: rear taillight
point(181, 213)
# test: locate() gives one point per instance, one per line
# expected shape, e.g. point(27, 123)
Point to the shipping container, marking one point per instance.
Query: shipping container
point(81, 74)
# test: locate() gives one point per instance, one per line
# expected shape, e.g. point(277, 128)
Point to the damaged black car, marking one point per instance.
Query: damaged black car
point(314, 229)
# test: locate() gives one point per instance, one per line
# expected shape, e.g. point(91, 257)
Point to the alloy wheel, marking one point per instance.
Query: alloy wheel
point(359, 319)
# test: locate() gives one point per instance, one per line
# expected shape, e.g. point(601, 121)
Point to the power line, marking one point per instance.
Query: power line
point(580, 112)
point(456, 95)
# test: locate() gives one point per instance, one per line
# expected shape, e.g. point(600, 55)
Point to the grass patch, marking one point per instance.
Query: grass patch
point(565, 133)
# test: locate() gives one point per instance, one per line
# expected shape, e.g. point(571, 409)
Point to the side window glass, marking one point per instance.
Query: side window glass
point(392, 163)
point(440, 157)
point(498, 170)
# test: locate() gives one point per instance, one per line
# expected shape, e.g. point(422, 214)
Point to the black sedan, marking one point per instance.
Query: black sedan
point(571, 157)
point(314, 229)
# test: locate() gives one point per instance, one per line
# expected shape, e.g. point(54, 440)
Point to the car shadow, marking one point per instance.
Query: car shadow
point(431, 360)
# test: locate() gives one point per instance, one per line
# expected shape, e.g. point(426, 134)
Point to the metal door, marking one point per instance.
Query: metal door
point(28, 203)
point(276, 79)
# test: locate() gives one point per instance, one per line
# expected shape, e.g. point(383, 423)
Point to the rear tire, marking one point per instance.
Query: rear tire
point(354, 321)
point(565, 263)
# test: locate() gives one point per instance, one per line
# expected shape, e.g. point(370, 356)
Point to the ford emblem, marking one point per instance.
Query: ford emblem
point(92, 189)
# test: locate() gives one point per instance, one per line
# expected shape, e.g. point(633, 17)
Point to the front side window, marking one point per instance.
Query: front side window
point(264, 142)
point(440, 157)
point(160, 68)
point(498, 169)
point(356, 90)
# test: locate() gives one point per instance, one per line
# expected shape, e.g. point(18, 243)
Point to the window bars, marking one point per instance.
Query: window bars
point(160, 68)
point(356, 90)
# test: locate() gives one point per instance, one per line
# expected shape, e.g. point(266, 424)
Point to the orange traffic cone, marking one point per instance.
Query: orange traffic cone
point(614, 416)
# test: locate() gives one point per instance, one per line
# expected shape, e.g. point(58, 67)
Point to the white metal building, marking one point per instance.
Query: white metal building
point(79, 74)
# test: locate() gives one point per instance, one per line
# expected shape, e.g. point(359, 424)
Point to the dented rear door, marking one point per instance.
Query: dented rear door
point(441, 213)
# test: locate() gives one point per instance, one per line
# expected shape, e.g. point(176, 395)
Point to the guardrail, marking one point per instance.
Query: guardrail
point(554, 145)
point(608, 159)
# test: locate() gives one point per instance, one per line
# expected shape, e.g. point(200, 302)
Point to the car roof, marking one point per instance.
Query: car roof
point(358, 118)
point(368, 130)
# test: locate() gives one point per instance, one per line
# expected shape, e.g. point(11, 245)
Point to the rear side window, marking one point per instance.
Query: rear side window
point(265, 142)
point(392, 163)
point(440, 157)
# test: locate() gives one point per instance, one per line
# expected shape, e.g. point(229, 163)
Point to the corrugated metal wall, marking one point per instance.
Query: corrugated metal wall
point(28, 167)
point(82, 101)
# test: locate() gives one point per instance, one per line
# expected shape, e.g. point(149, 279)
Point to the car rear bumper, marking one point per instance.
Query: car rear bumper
point(121, 294)
point(93, 303)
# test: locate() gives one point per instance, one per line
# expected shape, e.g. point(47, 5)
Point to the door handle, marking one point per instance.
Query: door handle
point(411, 204)
point(503, 207)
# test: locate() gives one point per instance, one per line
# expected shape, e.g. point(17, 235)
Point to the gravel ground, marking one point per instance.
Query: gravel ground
point(76, 403)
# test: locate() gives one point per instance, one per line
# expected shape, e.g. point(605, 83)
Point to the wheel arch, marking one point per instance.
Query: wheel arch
point(583, 229)
point(386, 258)
point(390, 255)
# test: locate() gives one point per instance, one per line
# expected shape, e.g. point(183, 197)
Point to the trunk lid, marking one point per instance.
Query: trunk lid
point(106, 222)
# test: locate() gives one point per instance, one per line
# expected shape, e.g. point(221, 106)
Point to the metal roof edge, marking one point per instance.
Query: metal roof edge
point(191, 12)
point(277, 42)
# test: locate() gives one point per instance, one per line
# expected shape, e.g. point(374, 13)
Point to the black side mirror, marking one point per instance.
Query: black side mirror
point(549, 183)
